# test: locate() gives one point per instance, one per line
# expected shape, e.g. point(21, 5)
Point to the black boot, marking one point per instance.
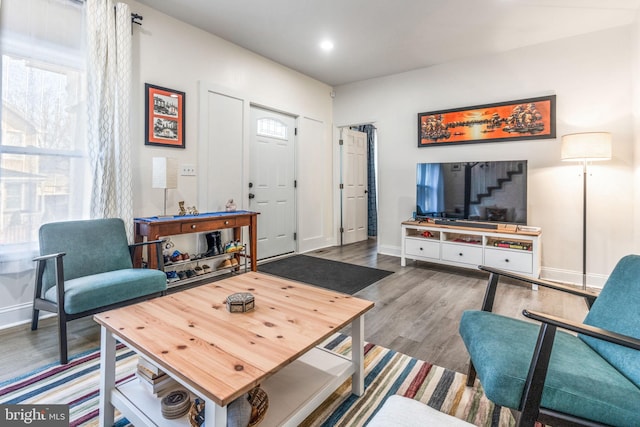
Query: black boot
point(211, 244)
point(218, 240)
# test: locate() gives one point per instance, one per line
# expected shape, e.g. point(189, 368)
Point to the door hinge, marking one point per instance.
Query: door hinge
point(295, 236)
point(341, 230)
point(342, 186)
point(295, 131)
point(341, 142)
point(295, 183)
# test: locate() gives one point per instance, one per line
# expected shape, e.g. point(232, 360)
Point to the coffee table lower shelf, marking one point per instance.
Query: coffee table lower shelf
point(294, 392)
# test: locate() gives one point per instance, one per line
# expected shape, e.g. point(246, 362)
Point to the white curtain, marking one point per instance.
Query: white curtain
point(109, 97)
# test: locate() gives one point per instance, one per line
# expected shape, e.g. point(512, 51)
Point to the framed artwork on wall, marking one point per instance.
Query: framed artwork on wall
point(164, 116)
point(522, 119)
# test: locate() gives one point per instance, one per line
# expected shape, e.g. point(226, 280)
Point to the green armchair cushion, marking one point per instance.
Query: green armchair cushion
point(579, 380)
point(97, 246)
point(103, 289)
point(616, 309)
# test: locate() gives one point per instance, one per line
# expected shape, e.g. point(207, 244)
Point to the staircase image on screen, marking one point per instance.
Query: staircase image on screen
point(488, 191)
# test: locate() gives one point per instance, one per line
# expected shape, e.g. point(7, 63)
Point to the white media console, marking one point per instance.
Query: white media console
point(508, 247)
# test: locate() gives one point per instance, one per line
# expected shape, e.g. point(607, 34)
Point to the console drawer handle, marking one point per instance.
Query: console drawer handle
point(226, 223)
point(193, 226)
point(506, 260)
point(460, 254)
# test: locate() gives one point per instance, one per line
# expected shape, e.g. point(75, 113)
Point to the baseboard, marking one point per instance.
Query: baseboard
point(390, 250)
point(572, 277)
point(17, 315)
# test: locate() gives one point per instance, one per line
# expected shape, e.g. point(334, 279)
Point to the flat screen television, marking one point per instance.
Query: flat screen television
point(491, 191)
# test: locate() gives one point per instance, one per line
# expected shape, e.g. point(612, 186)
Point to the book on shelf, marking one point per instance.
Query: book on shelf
point(150, 378)
point(165, 382)
point(149, 368)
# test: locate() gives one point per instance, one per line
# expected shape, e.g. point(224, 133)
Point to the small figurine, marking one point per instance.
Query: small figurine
point(193, 211)
point(182, 211)
point(231, 205)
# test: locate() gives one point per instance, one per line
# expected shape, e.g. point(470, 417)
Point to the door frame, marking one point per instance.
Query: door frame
point(337, 158)
point(204, 88)
point(296, 119)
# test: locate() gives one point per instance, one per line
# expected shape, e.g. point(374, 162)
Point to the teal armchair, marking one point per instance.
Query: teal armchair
point(590, 377)
point(86, 267)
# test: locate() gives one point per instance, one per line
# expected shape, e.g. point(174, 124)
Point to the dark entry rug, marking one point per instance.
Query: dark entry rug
point(334, 275)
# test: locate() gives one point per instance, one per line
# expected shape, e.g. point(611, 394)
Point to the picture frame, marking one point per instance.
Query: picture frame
point(164, 116)
point(522, 119)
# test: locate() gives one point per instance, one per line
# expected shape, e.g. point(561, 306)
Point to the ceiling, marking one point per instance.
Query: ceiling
point(374, 38)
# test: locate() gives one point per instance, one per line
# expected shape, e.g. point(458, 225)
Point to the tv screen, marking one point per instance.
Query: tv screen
point(493, 191)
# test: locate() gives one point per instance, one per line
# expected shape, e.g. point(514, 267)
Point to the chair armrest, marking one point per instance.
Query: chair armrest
point(581, 328)
point(49, 256)
point(495, 273)
point(159, 257)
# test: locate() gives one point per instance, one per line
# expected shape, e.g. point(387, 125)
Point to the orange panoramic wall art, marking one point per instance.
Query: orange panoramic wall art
point(532, 118)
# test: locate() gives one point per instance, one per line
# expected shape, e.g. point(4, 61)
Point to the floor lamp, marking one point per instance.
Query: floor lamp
point(164, 175)
point(585, 147)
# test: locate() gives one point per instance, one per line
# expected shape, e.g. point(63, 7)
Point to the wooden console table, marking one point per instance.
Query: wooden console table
point(155, 227)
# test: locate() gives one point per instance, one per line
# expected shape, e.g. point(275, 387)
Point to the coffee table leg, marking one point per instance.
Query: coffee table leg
point(107, 376)
point(215, 412)
point(357, 355)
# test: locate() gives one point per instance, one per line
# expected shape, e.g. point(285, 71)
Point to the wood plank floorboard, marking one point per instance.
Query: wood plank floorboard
point(417, 312)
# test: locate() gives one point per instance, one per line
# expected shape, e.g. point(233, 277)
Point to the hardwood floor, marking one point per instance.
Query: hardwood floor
point(417, 312)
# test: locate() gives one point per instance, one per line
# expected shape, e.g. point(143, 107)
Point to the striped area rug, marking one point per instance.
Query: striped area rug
point(387, 373)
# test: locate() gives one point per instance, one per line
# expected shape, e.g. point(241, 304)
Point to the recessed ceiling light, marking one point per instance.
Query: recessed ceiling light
point(326, 45)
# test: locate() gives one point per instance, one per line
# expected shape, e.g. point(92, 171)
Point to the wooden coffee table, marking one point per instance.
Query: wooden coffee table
point(218, 356)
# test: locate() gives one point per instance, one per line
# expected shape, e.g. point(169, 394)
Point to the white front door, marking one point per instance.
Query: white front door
point(354, 186)
point(272, 181)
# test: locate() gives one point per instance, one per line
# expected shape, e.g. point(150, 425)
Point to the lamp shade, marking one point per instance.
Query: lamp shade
point(164, 173)
point(586, 146)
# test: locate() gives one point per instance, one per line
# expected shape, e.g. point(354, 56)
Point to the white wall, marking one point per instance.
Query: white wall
point(173, 54)
point(591, 76)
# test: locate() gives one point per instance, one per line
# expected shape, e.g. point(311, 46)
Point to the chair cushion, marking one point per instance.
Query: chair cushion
point(103, 289)
point(616, 309)
point(91, 246)
point(579, 381)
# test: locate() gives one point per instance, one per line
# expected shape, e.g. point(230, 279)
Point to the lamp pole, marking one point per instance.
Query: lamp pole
point(584, 224)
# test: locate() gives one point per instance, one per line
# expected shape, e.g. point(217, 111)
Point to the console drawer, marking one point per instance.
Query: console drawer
point(422, 248)
point(466, 254)
point(200, 226)
point(521, 262)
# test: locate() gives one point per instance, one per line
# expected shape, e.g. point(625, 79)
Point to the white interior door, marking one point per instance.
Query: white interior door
point(272, 181)
point(354, 186)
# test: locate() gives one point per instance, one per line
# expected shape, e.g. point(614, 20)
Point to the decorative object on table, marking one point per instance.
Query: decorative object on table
point(164, 115)
point(533, 118)
point(193, 210)
point(230, 206)
point(246, 410)
point(164, 174)
point(240, 302)
point(181, 210)
point(175, 404)
point(196, 413)
point(585, 147)
point(259, 404)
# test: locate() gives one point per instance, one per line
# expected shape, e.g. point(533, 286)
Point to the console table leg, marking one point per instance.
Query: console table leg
point(357, 355)
point(107, 376)
point(215, 412)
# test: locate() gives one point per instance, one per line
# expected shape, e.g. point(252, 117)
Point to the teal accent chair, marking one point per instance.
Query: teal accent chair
point(556, 377)
point(86, 267)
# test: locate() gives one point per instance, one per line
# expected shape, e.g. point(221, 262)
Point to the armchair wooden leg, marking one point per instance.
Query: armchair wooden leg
point(471, 374)
point(34, 318)
point(62, 339)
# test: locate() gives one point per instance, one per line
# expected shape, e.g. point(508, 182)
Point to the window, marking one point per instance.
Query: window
point(44, 168)
point(272, 128)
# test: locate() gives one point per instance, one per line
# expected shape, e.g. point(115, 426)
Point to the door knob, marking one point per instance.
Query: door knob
point(251, 195)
